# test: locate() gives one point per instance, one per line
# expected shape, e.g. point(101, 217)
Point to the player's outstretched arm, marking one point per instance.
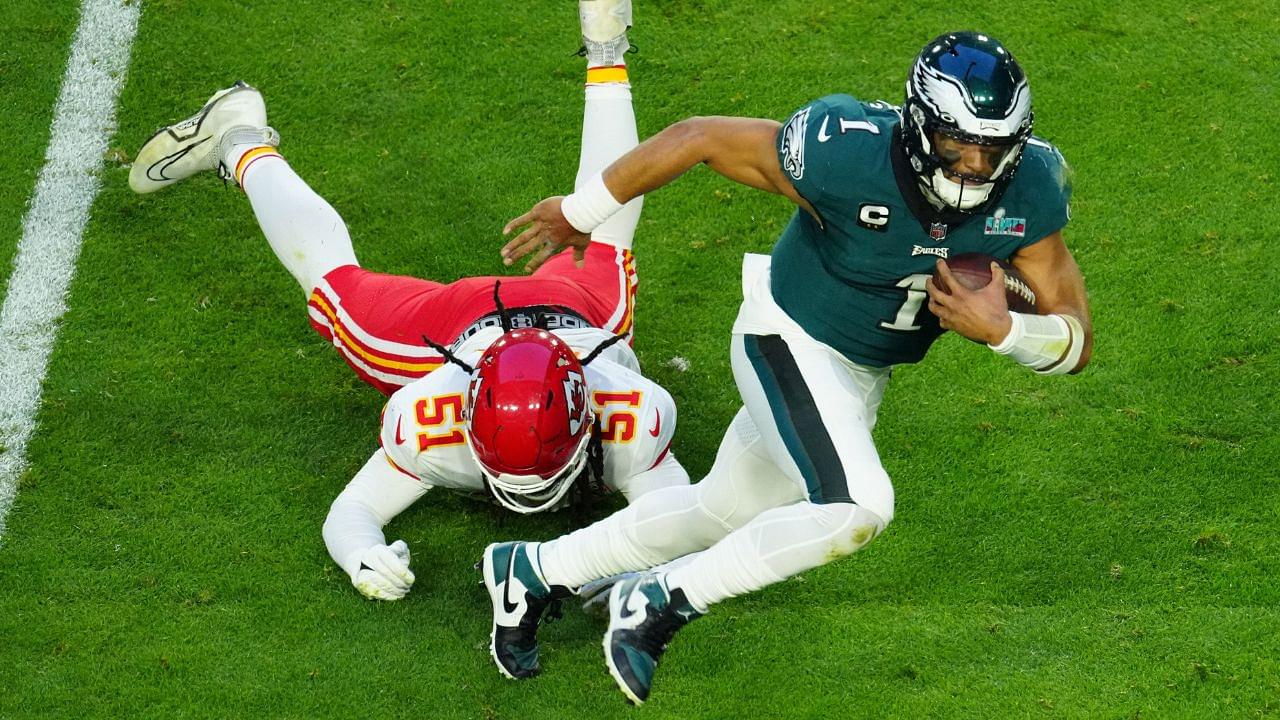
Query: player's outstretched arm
point(353, 529)
point(741, 149)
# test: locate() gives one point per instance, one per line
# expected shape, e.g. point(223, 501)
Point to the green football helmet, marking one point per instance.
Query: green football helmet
point(967, 87)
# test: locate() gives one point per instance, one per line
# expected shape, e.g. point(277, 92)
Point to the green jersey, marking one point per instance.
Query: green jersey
point(855, 280)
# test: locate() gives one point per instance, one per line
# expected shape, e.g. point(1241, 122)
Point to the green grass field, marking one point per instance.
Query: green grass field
point(1102, 546)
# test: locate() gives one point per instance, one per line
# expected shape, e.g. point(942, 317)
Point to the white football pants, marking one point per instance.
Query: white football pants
point(796, 482)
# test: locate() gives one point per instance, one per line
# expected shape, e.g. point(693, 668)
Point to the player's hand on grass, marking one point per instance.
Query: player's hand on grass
point(384, 572)
point(547, 233)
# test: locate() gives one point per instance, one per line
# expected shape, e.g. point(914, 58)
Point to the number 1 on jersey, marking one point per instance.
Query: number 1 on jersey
point(905, 320)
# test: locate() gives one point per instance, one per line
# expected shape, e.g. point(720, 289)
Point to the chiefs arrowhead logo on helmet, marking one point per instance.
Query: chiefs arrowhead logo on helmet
point(528, 419)
point(575, 393)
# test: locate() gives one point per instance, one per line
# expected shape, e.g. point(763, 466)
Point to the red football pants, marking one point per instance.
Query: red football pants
point(377, 321)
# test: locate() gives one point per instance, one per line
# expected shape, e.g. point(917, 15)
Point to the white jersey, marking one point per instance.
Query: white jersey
point(424, 445)
point(423, 432)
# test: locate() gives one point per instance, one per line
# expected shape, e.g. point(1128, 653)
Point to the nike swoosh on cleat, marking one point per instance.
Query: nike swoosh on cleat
point(625, 611)
point(156, 171)
point(507, 605)
point(657, 423)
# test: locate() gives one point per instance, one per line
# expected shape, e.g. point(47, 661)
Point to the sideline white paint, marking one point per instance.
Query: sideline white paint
point(83, 123)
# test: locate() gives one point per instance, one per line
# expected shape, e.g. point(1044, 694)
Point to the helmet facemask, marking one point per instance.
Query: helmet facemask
point(528, 494)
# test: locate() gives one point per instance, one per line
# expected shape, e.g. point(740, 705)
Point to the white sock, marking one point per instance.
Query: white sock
point(609, 131)
point(598, 73)
point(305, 232)
point(660, 526)
point(236, 142)
point(672, 522)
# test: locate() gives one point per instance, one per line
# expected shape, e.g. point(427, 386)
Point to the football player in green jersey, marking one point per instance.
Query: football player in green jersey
point(884, 194)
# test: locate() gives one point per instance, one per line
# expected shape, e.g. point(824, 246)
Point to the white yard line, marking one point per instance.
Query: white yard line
point(83, 123)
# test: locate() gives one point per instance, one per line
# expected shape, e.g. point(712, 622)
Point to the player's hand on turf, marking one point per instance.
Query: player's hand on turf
point(546, 234)
point(981, 315)
point(384, 572)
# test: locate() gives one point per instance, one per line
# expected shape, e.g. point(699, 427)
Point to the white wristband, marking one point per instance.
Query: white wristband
point(1048, 344)
point(590, 205)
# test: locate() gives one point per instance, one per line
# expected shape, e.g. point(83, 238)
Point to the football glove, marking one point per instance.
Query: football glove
point(384, 572)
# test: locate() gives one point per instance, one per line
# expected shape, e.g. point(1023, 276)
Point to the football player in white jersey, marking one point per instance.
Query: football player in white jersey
point(519, 388)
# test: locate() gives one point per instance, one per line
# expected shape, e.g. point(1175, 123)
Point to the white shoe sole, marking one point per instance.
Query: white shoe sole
point(603, 21)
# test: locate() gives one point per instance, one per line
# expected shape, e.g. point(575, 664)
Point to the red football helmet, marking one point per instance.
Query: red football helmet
point(529, 421)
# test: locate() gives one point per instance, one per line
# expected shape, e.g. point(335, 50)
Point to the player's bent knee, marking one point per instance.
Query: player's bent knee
point(852, 526)
point(870, 490)
point(881, 507)
point(718, 503)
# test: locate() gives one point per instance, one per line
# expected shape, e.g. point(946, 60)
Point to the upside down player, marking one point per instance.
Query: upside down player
point(883, 193)
point(473, 407)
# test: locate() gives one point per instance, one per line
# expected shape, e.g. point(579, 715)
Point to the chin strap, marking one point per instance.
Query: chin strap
point(1048, 344)
point(956, 196)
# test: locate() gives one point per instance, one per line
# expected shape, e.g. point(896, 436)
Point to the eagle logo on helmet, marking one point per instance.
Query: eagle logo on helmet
point(967, 87)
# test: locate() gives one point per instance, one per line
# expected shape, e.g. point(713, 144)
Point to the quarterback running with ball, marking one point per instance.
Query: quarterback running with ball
point(519, 388)
point(884, 193)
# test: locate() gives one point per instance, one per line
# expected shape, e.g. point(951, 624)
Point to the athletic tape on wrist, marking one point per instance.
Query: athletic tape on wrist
point(590, 205)
point(1048, 344)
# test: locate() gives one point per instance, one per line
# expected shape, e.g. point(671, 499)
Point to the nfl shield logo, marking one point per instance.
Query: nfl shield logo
point(938, 231)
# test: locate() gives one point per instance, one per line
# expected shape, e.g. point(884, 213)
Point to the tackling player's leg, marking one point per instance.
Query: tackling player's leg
point(608, 119)
point(608, 132)
point(347, 305)
point(193, 145)
point(230, 134)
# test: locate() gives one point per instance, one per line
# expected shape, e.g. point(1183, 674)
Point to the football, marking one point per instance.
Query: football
point(973, 270)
